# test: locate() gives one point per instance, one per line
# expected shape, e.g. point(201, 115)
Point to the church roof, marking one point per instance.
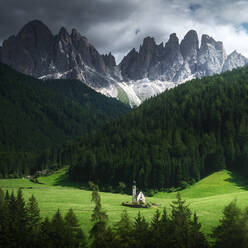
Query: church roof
point(141, 197)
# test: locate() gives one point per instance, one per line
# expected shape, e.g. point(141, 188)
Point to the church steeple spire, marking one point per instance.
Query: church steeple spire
point(134, 196)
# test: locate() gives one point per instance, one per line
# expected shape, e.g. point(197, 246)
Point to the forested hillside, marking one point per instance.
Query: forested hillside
point(181, 135)
point(37, 115)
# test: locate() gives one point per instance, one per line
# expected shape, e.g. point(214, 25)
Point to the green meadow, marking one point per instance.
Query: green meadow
point(207, 197)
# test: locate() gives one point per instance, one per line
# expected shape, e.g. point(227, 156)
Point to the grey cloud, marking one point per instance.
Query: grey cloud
point(118, 25)
point(194, 7)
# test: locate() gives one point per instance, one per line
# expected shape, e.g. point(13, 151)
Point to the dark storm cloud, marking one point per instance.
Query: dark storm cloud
point(194, 7)
point(82, 14)
point(120, 25)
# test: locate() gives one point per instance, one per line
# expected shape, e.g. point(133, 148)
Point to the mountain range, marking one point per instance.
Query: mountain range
point(141, 74)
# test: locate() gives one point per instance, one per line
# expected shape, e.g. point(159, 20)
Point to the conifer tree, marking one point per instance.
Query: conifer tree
point(3, 220)
point(123, 230)
point(156, 229)
point(74, 234)
point(45, 234)
point(33, 213)
point(21, 219)
point(7, 195)
point(141, 232)
point(164, 229)
point(58, 231)
point(233, 228)
point(99, 219)
point(2, 198)
point(33, 220)
point(183, 231)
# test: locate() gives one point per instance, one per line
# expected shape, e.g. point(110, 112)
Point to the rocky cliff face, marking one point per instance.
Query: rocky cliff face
point(190, 49)
point(28, 51)
point(176, 62)
point(234, 60)
point(141, 74)
point(211, 57)
point(37, 52)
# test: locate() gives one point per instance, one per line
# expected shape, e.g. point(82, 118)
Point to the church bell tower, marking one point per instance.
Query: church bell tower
point(134, 197)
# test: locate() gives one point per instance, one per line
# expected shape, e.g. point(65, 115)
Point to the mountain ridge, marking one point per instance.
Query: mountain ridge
point(36, 115)
point(37, 52)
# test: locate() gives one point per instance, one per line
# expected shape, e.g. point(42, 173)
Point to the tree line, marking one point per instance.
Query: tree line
point(37, 115)
point(179, 136)
point(22, 226)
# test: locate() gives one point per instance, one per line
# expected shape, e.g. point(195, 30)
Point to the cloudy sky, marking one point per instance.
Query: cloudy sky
point(120, 25)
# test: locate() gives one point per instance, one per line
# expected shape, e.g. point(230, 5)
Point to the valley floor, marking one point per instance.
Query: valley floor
point(207, 198)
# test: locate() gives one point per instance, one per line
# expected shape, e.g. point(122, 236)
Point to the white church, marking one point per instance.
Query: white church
point(140, 198)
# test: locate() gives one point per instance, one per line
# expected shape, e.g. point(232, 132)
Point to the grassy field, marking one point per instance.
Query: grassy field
point(208, 197)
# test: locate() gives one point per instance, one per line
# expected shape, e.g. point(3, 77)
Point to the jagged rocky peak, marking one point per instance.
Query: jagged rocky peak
point(37, 52)
point(75, 34)
point(206, 39)
point(190, 42)
point(170, 65)
point(35, 26)
point(172, 49)
point(28, 52)
point(172, 52)
point(147, 53)
point(161, 45)
point(211, 56)
point(109, 60)
point(61, 54)
point(234, 60)
point(130, 58)
point(148, 44)
point(63, 33)
point(208, 42)
point(35, 34)
point(173, 42)
point(128, 64)
point(80, 42)
point(189, 48)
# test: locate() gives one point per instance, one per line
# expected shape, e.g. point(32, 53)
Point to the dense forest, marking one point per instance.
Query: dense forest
point(175, 138)
point(37, 115)
point(22, 226)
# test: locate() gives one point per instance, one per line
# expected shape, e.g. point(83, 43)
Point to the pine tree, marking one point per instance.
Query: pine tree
point(11, 228)
point(74, 234)
point(33, 220)
point(123, 230)
point(184, 232)
point(233, 228)
point(3, 220)
point(21, 220)
point(33, 213)
point(164, 229)
point(156, 229)
point(7, 195)
point(2, 198)
point(58, 230)
point(99, 219)
point(45, 234)
point(140, 232)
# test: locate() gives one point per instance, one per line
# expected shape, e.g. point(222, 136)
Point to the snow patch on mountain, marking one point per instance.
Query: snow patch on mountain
point(140, 90)
point(56, 75)
point(110, 91)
